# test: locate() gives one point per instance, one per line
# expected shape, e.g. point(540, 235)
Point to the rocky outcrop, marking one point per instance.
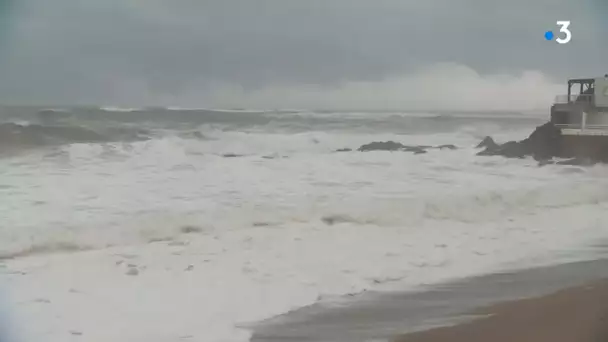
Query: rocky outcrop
point(448, 147)
point(382, 146)
point(488, 143)
point(396, 146)
point(544, 143)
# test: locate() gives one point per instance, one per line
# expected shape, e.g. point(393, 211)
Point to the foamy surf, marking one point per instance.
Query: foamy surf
point(207, 285)
point(119, 109)
point(168, 239)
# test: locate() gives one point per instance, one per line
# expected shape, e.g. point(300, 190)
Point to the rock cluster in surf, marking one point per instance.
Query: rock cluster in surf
point(393, 146)
point(545, 144)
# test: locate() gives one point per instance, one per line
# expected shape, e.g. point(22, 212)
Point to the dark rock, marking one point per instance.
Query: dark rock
point(487, 142)
point(545, 162)
point(544, 143)
point(231, 155)
point(275, 156)
point(490, 151)
point(511, 149)
point(415, 149)
point(382, 146)
point(395, 146)
point(449, 147)
point(486, 152)
point(344, 150)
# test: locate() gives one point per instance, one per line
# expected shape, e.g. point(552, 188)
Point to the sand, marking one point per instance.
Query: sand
point(574, 315)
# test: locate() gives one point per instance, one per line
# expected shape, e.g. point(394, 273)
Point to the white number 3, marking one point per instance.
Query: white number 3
point(564, 29)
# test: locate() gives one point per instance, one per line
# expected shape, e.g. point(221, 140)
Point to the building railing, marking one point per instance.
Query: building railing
point(581, 126)
point(583, 98)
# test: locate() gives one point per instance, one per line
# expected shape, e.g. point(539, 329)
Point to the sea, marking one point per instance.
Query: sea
point(173, 224)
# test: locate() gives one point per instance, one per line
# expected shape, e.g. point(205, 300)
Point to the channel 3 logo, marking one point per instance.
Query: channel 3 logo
point(563, 28)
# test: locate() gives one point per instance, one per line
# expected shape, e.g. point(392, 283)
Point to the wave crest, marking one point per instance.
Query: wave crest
point(33, 135)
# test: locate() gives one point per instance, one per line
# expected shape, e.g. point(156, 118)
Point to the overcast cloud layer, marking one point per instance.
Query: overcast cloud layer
point(296, 53)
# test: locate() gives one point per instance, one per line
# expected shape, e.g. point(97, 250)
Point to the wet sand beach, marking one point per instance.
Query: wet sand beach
point(577, 314)
point(567, 301)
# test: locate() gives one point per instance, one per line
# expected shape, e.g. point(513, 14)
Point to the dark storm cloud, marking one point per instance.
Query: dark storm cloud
point(66, 51)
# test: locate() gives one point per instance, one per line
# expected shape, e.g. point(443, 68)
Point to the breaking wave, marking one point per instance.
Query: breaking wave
point(119, 109)
point(32, 135)
point(434, 213)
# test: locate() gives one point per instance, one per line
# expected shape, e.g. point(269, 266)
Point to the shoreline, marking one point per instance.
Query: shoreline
point(409, 316)
point(577, 314)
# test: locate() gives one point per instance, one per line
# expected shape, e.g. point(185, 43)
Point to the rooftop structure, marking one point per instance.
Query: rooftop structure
point(584, 110)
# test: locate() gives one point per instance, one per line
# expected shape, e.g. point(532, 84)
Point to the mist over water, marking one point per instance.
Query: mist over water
point(272, 56)
point(441, 87)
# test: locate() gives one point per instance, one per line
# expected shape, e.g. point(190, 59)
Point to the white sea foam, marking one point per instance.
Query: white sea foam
point(119, 109)
point(168, 240)
point(239, 110)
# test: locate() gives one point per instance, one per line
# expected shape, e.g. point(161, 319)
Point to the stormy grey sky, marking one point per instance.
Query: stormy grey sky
point(295, 53)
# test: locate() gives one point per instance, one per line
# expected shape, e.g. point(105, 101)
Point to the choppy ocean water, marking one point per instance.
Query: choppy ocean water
point(182, 224)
